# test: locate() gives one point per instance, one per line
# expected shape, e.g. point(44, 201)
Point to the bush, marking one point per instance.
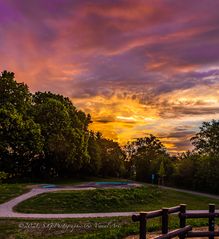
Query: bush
point(3, 176)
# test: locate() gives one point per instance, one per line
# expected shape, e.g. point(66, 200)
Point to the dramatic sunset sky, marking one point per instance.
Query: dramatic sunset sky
point(137, 66)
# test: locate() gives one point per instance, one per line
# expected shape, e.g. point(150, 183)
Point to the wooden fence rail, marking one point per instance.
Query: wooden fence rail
point(185, 231)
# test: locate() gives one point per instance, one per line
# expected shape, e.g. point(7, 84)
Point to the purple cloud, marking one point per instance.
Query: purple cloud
point(140, 50)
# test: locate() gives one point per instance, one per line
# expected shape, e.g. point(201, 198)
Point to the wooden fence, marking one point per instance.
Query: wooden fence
point(184, 231)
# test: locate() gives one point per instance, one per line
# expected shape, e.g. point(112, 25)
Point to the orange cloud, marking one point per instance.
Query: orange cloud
point(138, 67)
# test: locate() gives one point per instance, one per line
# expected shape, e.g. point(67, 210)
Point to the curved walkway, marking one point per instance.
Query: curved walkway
point(191, 192)
point(6, 209)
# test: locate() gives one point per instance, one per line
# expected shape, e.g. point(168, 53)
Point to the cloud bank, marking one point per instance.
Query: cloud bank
point(138, 67)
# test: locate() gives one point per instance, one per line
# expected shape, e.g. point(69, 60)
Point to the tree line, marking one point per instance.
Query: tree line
point(198, 169)
point(43, 135)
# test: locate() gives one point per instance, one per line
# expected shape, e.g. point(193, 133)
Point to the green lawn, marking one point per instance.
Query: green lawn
point(102, 228)
point(8, 191)
point(111, 200)
point(146, 198)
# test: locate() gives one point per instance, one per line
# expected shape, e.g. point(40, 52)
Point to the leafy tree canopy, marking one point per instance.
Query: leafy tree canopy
point(206, 141)
point(13, 94)
point(20, 137)
point(146, 155)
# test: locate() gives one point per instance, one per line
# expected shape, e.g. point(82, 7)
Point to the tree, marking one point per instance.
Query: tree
point(20, 143)
point(43, 135)
point(64, 131)
point(112, 158)
point(3, 176)
point(186, 167)
point(206, 141)
point(20, 137)
point(94, 150)
point(162, 172)
point(14, 94)
point(206, 147)
point(78, 119)
point(146, 154)
point(206, 177)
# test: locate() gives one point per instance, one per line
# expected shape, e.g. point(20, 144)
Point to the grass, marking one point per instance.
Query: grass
point(102, 228)
point(67, 228)
point(12, 190)
point(111, 200)
point(146, 198)
point(9, 191)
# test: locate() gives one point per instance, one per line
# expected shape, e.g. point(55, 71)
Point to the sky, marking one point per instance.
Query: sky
point(138, 67)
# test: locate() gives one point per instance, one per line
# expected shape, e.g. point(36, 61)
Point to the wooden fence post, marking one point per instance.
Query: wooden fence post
point(143, 222)
point(164, 220)
point(211, 220)
point(182, 218)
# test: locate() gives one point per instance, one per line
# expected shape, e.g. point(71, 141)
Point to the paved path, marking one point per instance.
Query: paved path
point(6, 209)
point(191, 192)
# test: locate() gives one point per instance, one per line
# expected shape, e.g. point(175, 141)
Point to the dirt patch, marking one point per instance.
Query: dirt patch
point(151, 235)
